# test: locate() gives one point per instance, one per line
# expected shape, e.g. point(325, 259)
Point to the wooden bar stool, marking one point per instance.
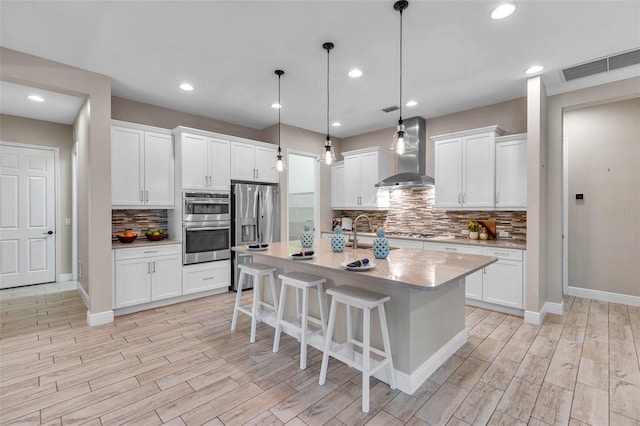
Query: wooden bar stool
point(302, 283)
point(366, 300)
point(255, 310)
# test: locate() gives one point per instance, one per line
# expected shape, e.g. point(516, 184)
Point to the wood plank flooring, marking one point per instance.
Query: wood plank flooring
point(181, 365)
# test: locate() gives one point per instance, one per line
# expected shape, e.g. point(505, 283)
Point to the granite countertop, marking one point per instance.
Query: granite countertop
point(499, 243)
point(417, 268)
point(143, 242)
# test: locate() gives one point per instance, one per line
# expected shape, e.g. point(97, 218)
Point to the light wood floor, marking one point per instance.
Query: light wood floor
point(181, 365)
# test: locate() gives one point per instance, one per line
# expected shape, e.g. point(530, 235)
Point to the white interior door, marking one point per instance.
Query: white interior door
point(27, 216)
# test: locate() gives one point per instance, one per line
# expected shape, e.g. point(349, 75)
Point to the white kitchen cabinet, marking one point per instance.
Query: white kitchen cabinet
point(362, 170)
point(147, 274)
point(253, 161)
point(503, 280)
point(206, 276)
point(465, 169)
point(337, 186)
point(511, 172)
point(474, 282)
point(204, 162)
point(142, 167)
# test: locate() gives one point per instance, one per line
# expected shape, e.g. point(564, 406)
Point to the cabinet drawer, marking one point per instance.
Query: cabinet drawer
point(453, 248)
point(149, 251)
point(206, 276)
point(502, 253)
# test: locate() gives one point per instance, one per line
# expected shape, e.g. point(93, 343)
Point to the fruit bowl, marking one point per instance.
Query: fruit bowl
point(152, 237)
point(126, 238)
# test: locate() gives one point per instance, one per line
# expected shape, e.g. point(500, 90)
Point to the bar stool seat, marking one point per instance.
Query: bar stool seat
point(302, 282)
point(255, 309)
point(366, 300)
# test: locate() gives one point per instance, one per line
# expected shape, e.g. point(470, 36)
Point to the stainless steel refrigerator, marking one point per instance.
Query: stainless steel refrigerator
point(255, 218)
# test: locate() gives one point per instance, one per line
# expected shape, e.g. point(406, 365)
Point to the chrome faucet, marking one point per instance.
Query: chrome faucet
point(355, 229)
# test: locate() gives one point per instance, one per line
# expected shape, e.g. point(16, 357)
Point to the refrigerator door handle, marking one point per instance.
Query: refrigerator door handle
point(258, 211)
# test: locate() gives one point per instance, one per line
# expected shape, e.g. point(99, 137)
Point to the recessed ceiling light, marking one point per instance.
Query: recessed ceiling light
point(534, 69)
point(355, 73)
point(36, 98)
point(186, 87)
point(336, 124)
point(411, 103)
point(503, 11)
point(276, 105)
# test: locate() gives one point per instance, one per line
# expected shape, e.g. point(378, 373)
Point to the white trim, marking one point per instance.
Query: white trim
point(65, 277)
point(165, 302)
point(56, 189)
point(99, 318)
point(536, 318)
point(494, 307)
point(83, 294)
point(410, 383)
point(316, 187)
point(604, 296)
point(74, 211)
point(565, 215)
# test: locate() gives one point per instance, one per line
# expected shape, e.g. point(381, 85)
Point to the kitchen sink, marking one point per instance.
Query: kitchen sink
point(366, 245)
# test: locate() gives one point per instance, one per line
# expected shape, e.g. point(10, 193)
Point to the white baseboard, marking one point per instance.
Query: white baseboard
point(407, 383)
point(83, 294)
point(65, 277)
point(494, 307)
point(99, 318)
point(604, 296)
point(536, 318)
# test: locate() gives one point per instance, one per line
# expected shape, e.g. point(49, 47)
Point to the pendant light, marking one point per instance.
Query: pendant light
point(400, 136)
point(328, 155)
point(280, 166)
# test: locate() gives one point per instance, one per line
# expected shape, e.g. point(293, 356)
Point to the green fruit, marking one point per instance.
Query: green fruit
point(149, 232)
point(156, 233)
point(161, 231)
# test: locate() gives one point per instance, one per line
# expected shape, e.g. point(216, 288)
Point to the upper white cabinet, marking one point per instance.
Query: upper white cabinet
point(142, 166)
point(362, 170)
point(337, 185)
point(465, 169)
point(253, 161)
point(203, 162)
point(511, 172)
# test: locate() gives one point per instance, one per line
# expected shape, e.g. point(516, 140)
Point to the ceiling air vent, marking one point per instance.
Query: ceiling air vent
point(390, 109)
point(602, 65)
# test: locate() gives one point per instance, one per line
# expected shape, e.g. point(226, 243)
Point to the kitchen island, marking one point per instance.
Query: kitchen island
point(425, 315)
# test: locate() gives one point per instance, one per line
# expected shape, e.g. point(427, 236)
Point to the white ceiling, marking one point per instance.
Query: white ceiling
point(456, 57)
point(57, 107)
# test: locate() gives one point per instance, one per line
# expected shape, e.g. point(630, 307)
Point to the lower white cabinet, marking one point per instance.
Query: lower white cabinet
point(206, 276)
point(503, 280)
point(501, 283)
point(146, 274)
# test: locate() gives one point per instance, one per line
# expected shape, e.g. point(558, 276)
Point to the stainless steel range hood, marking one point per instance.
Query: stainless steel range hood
point(411, 164)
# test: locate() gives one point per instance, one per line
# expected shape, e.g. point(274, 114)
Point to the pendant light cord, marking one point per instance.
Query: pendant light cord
point(279, 108)
point(328, 51)
point(400, 65)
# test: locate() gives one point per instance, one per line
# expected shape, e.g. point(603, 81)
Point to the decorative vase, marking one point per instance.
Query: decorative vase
point(307, 237)
point(337, 240)
point(473, 235)
point(484, 235)
point(380, 245)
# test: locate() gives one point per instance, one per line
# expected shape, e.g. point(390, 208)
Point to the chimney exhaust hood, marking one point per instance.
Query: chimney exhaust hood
point(411, 164)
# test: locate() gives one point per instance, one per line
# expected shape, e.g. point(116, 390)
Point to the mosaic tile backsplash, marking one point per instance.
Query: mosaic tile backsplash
point(137, 220)
point(413, 211)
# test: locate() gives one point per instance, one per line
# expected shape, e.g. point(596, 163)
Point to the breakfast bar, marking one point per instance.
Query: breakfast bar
point(425, 315)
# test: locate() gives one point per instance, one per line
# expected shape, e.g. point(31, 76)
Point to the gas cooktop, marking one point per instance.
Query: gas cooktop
point(411, 235)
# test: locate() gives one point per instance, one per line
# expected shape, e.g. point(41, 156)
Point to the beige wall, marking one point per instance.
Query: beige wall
point(152, 115)
point(81, 126)
point(604, 165)
point(36, 132)
point(94, 163)
point(556, 105)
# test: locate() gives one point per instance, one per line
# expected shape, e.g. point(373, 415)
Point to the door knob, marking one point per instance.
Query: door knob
point(48, 233)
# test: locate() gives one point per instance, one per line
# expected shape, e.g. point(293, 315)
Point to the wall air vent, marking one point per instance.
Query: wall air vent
point(391, 108)
point(602, 65)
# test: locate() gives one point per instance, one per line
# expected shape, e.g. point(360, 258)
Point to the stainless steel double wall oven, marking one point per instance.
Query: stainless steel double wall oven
point(206, 224)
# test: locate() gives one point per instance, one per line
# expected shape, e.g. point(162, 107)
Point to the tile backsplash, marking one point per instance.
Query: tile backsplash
point(413, 211)
point(137, 220)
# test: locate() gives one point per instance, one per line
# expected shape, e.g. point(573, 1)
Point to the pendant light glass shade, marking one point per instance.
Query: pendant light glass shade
point(399, 143)
point(328, 155)
point(280, 165)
